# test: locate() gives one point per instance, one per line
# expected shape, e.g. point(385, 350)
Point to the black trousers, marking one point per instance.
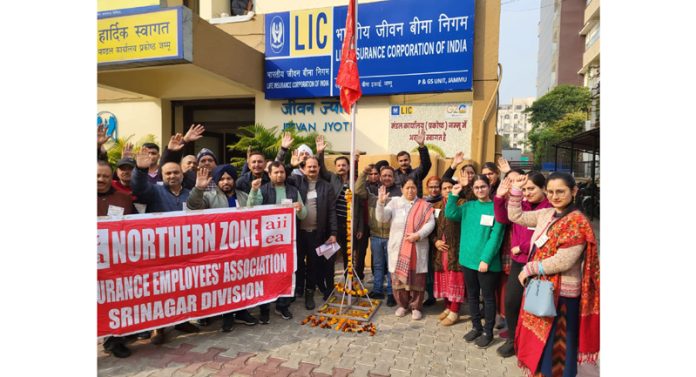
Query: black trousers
point(360, 251)
point(319, 271)
point(513, 298)
point(486, 283)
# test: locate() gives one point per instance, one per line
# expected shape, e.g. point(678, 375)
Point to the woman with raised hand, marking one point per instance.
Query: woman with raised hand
point(520, 242)
point(465, 176)
point(449, 278)
point(411, 221)
point(479, 247)
point(564, 252)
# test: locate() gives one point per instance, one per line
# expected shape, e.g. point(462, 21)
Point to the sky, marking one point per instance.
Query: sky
point(518, 48)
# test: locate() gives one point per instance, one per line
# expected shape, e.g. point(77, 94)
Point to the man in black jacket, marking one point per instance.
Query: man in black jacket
point(274, 192)
point(317, 228)
point(405, 170)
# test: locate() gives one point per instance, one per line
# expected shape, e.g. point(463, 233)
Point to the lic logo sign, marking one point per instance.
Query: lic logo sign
point(277, 33)
point(401, 110)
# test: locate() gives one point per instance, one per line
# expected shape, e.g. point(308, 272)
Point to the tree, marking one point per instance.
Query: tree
point(558, 115)
point(267, 141)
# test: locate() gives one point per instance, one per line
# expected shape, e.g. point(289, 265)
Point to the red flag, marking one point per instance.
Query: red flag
point(348, 78)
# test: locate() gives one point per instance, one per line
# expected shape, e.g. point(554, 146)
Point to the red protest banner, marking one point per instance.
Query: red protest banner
point(161, 269)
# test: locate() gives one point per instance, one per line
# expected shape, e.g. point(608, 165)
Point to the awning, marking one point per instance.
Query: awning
point(213, 64)
point(587, 141)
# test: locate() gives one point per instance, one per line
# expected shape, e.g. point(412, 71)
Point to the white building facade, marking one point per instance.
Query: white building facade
point(513, 122)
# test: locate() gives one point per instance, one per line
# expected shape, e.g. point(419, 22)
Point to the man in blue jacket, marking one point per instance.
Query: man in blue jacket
point(168, 197)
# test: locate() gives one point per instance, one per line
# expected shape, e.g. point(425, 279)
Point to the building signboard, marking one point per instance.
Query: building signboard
point(143, 37)
point(110, 8)
point(403, 46)
point(447, 125)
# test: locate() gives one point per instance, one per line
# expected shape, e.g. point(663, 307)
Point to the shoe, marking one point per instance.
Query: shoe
point(376, 295)
point(400, 312)
point(265, 318)
point(507, 349)
point(472, 335)
point(484, 340)
point(284, 312)
point(143, 335)
point(203, 322)
point(309, 300)
point(500, 323)
point(158, 338)
point(429, 302)
point(227, 323)
point(187, 327)
point(391, 301)
point(416, 315)
point(443, 315)
point(246, 318)
point(118, 349)
point(450, 319)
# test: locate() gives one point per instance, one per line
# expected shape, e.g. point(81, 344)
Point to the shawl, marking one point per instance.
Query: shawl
point(448, 231)
point(533, 332)
point(406, 263)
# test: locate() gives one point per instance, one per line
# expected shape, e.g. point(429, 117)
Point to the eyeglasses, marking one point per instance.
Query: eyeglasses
point(478, 188)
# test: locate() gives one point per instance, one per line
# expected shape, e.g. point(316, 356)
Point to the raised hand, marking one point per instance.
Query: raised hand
point(127, 151)
point(286, 141)
point(142, 159)
point(504, 187)
point(520, 181)
point(101, 135)
point(320, 143)
point(194, 133)
point(176, 142)
point(458, 159)
point(420, 138)
point(295, 158)
point(256, 184)
point(456, 189)
point(503, 165)
point(203, 179)
point(383, 195)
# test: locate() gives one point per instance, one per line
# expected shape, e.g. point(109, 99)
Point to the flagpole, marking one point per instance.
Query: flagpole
point(351, 175)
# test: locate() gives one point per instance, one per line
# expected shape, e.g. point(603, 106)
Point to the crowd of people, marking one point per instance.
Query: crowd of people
point(474, 238)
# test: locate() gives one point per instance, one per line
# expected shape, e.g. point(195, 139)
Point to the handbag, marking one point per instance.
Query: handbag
point(539, 298)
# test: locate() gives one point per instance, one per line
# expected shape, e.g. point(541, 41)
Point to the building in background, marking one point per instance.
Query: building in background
point(180, 62)
point(590, 59)
point(513, 125)
point(561, 47)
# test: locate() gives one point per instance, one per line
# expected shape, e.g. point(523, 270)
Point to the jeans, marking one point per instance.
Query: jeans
point(484, 282)
point(379, 261)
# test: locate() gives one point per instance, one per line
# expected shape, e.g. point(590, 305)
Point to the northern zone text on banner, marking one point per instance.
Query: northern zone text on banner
point(156, 270)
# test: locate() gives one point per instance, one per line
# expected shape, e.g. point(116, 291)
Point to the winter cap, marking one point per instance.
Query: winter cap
point(205, 152)
point(125, 161)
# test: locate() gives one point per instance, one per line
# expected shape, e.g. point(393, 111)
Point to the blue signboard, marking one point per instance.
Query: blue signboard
point(404, 46)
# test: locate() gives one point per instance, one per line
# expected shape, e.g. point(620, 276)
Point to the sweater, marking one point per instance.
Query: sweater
point(477, 243)
point(158, 198)
point(396, 213)
point(566, 261)
point(521, 235)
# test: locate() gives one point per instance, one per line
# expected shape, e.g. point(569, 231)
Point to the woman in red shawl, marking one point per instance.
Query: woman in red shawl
point(564, 252)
